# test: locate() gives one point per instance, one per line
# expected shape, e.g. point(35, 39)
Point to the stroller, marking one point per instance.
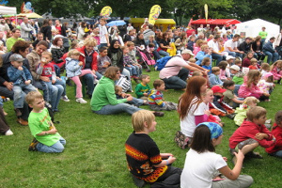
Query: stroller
point(144, 57)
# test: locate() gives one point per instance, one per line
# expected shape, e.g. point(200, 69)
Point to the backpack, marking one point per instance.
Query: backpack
point(124, 83)
point(162, 62)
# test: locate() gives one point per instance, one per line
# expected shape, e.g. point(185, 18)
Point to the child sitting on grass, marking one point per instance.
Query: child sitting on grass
point(144, 160)
point(254, 64)
point(251, 134)
point(46, 137)
point(266, 84)
point(206, 64)
point(276, 149)
point(135, 102)
point(276, 70)
point(142, 89)
point(238, 76)
point(228, 96)
point(214, 78)
point(21, 78)
point(265, 68)
point(155, 98)
point(241, 111)
point(238, 62)
point(223, 71)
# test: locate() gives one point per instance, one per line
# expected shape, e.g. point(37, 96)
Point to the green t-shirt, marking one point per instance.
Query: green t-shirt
point(10, 43)
point(39, 122)
point(263, 34)
point(140, 89)
point(228, 96)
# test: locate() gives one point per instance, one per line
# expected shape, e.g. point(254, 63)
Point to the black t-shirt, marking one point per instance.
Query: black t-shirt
point(142, 153)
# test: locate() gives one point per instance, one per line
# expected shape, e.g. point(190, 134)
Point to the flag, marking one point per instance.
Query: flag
point(206, 12)
point(154, 14)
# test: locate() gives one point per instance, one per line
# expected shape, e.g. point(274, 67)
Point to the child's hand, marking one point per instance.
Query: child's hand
point(130, 98)
point(225, 159)
point(229, 78)
point(27, 82)
point(53, 131)
point(207, 112)
point(129, 65)
point(80, 63)
point(58, 78)
point(145, 94)
point(53, 81)
point(20, 68)
point(239, 155)
point(93, 71)
point(260, 136)
point(266, 94)
point(171, 159)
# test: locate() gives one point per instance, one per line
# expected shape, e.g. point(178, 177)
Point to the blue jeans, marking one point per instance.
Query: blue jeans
point(47, 91)
point(136, 102)
point(156, 55)
point(118, 108)
point(163, 53)
point(19, 94)
point(57, 92)
point(1, 102)
point(277, 154)
point(217, 57)
point(63, 84)
point(57, 70)
point(58, 147)
point(177, 82)
point(99, 75)
point(89, 80)
point(232, 54)
point(132, 70)
point(272, 57)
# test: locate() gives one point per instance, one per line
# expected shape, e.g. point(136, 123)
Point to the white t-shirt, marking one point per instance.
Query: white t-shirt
point(188, 125)
point(177, 63)
point(213, 45)
point(103, 33)
point(199, 168)
point(230, 44)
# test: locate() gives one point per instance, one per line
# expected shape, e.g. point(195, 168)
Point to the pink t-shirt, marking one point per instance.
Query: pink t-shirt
point(174, 65)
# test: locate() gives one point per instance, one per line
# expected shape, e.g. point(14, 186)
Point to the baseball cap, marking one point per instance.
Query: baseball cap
point(216, 130)
point(235, 67)
point(218, 89)
point(230, 57)
point(187, 52)
point(16, 57)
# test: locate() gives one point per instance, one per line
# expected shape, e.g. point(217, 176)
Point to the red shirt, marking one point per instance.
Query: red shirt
point(47, 70)
point(59, 28)
point(189, 32)
point(277, 132)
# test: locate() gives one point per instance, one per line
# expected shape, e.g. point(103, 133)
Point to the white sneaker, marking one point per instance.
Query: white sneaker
point(9, 133)
point(96, 81)
point(65, 98)
point(81, 100)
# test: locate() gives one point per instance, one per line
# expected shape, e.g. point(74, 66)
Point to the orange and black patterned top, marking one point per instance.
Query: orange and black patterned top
point(142, 153)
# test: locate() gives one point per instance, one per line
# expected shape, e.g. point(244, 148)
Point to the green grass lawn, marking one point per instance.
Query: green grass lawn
point(94, 155)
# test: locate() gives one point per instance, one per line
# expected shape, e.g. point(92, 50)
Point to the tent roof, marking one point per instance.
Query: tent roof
point(158, 21)
point(30, 15)
point(256, 21)
point(215, 21)
point(8, 10)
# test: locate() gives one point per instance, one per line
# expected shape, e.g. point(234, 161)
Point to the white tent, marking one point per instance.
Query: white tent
point(8, 10)
point(252, 28)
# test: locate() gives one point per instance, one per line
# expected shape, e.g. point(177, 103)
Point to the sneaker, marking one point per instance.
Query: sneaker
point(81, 101)
point(231, 116)
point(96, 81)
point(159, 114)
point(32, 145)
point(65, 98)
point(18, 112)
point(9, 133)
point(22, 122)
point(254, 155)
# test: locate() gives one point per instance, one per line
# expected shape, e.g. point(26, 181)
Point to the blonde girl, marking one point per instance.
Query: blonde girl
point(276, 70)
point(265, 68)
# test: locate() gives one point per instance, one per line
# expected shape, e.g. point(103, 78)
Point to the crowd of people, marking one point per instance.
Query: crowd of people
point(107, 60)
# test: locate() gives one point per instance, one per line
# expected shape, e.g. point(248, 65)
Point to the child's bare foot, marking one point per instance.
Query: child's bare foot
point(5, 113)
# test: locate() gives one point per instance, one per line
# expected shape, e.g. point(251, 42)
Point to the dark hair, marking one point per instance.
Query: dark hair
point(103, 48)
point(15, 29)
point(43, 42)
point(222, 65)
point(20, 46)
point(236, 36)
point(143, 76)
point(272, 38)
point(111, 72)
point(278, 117)
point(270, 79)
point(55, 41)
point(151, 45)
point(158, 83)
point(201, 141)
point(216, 36)
point(150, 26)
point(228, 83)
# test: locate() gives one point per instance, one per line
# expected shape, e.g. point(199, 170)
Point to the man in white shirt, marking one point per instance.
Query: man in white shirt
point(129, 27)
point(27, 30)
point(230, 46)
point(215, 49)
point(104, 37)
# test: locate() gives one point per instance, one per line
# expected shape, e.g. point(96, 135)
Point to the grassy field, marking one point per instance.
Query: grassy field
point(94, 156)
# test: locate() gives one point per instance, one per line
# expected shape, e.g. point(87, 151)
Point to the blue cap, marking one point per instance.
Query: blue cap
point(216, 130)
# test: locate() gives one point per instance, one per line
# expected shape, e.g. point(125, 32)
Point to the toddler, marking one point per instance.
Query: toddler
point(254, 64)
point(266, 84)
point(276, 149)
point(228, 96)
point(103, 60)
point(251, 134)
point(46, 137)
point(206, 64)
point(132, 54)
point(21, 78)
point(135, 102)
point(142, 89)
point(214, 78)
point(223, 71)
point(265, 68)
point(129, 64)
point(241, 111)
point(192, 60)
point(74, 72)
point(155, 97)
